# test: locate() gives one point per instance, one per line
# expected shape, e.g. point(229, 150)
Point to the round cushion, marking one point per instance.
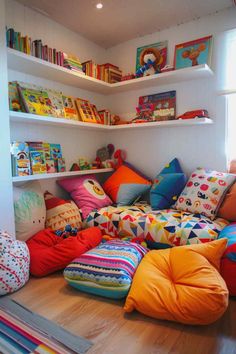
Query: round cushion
point(14, 264)
point(181, 284)
point(49, 253)
point(228, 261)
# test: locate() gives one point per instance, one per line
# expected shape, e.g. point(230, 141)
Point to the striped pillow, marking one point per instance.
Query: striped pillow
point(106, 270)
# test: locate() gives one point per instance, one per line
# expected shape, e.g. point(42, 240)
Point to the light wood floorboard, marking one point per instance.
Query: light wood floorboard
point(112, 331)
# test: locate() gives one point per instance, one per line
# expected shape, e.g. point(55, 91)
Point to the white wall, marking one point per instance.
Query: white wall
point(194, 146)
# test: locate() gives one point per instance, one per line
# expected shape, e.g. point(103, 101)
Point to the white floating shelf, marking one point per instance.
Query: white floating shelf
point(34, 66)
point(59, 175)
point(20, 117)
point(164, 124)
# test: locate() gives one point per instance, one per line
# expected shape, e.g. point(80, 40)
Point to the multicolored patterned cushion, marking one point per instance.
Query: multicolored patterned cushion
point(168, 226)
point(14, 264)
point(204, 192)
point(167, 186)
point(86, 192)
point(126, 184)
point(61, 212)
point(106, 270)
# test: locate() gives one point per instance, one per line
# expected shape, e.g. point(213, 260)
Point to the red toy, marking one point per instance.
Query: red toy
point(199, 113)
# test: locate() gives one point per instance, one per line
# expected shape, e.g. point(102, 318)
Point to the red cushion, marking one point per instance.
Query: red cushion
point(49, 253)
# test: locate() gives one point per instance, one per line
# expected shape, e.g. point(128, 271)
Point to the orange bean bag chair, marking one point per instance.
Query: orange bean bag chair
point(49, 253)
point(181, 284)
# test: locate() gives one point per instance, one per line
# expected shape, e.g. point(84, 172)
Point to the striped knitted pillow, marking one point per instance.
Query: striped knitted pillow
point(106, 270)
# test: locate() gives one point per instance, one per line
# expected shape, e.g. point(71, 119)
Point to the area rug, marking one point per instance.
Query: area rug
point(23, 331)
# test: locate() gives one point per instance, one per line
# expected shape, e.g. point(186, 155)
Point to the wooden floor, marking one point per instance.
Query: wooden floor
point(113, 332)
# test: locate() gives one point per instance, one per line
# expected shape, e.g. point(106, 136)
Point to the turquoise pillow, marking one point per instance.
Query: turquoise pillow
point(167, 186)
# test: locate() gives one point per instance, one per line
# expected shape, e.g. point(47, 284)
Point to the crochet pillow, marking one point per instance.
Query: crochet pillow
point(86, 192)
point(126, 184)
point(61, 212)
point(30, 210)
point(204, 192)
point(106, 270)
point(167, 186)
point(14, 264)
point(181, 284)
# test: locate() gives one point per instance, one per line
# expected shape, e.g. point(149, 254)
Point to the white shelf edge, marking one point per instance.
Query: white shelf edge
point(226, 92)
point(20, 117)
point(26, 63)
point(59, 175)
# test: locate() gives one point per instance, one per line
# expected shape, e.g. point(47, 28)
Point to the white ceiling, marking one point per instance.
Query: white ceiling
point(122, 20)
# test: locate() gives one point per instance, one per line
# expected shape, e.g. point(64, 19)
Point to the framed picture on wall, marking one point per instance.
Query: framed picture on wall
point(156, 54)
point(193, 53)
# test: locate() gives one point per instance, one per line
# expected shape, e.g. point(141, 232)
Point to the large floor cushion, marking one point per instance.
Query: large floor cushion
point(106, 270)
point(228, 261)
point(166, 226)
point(181, 284)
point(49, 253)
point(14, 264)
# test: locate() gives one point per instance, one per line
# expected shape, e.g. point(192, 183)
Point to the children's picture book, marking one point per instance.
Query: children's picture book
point(46, 148)
point(55, 151)
point(15, 102)
point(162, 105)
point(36, 101)
point(96, 114)
point(85, 111)
point(70, 107)
point(38, 162)
point(57, 103)
point(20, 159)
point(193, 53)
point(50, 166)
point(61, 166)
point(151, 58)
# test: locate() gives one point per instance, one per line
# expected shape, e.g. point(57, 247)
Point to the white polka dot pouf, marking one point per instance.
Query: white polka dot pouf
point(14, 263)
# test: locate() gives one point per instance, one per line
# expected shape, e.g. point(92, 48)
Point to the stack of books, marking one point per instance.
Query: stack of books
point(30, 158)
point(106, 72)
point(72, 62)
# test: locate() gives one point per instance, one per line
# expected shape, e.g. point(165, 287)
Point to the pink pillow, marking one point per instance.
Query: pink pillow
point(86, 192)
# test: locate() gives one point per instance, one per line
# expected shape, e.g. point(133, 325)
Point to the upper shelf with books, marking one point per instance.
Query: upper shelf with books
point(19, 117)
point(30, 65)
point(59, 175)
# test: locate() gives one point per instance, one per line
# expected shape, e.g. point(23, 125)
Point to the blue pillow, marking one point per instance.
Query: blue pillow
point(167, 186)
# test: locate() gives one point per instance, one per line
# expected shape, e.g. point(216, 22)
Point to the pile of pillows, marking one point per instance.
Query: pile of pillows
point(202, 194)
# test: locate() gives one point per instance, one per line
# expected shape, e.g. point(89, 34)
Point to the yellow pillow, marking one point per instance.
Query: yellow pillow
point(181, 284)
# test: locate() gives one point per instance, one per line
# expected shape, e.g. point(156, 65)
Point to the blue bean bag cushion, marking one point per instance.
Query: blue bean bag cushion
point(106, 270)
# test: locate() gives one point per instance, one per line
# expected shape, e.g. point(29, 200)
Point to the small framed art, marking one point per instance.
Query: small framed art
point(155, 53)
point(193, 53)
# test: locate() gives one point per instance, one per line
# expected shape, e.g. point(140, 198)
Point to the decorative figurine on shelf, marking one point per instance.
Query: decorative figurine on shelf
point(84, 164)
point(67, 232)
point(74, 167)
point(120, 157)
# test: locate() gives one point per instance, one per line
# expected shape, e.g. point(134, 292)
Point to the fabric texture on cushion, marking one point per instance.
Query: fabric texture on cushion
point(204, 192)
point(166, 226)
point(61, 212)
point(30, 210)
point(181, 284)
point(14, 264)
point(49, 253)
point(86, 192)
point(228, 207)
point(126, 184)
point(167, 186)
point(106, 270)
point(228, 261)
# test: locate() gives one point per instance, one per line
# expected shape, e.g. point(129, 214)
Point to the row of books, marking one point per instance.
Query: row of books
point(107, 72)
point(29, 98)
point(30, 158)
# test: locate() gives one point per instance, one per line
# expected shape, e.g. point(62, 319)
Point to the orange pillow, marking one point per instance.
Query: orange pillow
point(181, 284)
point(126, 184)
point(228, 207)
